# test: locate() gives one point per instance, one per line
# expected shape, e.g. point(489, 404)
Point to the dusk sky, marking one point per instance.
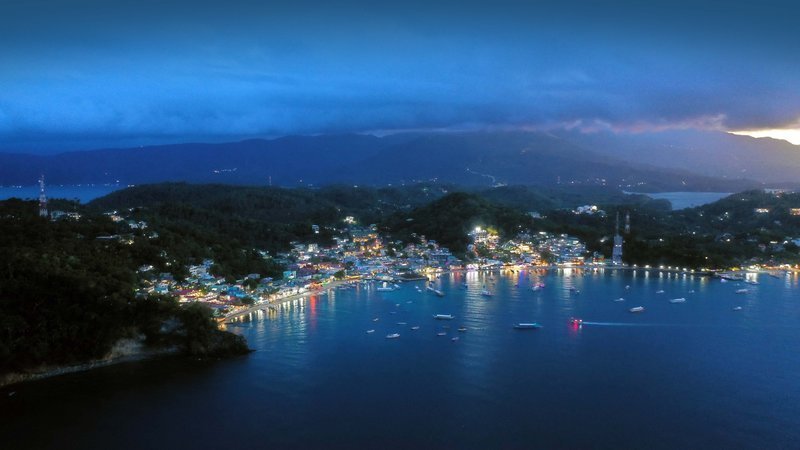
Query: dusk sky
point(90, 73)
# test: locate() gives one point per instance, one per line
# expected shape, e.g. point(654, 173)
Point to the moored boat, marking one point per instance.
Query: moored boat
point(393, 336)
point(444, 316)
point(636, 309)
point(527, 326)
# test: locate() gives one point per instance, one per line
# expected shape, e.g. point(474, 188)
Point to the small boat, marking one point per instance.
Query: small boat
point(692, 291)
point(396, 286)
point(375, 319)
point(486, 293)
point(627, 286)
point(527, 326)
point(636, 309)
point(444, 316)
point(402, 323)
point(575, 321)
point(660, 291)
point(737, 308)
point(441, 333)
point(677, 300)
point(454, 339)
point(370, 331)
point(393, 336)
point(415, 327)
point(723, 280)
point(462, 329)
point(742, 291)
point(619, 299)
point(384, 289)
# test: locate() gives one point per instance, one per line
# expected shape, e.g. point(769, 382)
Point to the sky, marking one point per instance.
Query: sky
point(103, 73)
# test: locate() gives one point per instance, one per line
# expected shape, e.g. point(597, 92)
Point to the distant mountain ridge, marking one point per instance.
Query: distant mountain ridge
point(474, 158)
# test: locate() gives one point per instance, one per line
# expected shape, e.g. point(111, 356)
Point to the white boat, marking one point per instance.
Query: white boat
point(737, 308)
point(660, 291)
point(444, 316)
point(402, 323)
point(486, 293)
point(441, 333)
point(527, 326)
point(393, 336)
point(436, 291)
point(636, 309)
point(742, 291)
point(619, 299)
point(415, 327)
point(454, 339)
point(370, 331)
point(677, 300)
point(375, 319)
point(723, 280)
point(627, 286)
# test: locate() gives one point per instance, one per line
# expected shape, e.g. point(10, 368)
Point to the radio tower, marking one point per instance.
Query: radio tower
point(616, 253)
point(42, 198)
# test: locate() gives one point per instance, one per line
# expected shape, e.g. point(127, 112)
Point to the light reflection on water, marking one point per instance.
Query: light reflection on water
point(694, 374)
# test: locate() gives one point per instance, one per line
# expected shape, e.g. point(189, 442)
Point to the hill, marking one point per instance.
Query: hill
point(474, 159)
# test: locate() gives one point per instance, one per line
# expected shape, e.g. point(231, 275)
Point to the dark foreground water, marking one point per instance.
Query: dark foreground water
point(689, 375)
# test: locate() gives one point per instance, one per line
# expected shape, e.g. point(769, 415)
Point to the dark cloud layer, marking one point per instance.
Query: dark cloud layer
point(98, 73)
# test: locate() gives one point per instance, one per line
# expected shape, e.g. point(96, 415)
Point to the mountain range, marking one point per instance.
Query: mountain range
point(687, 161)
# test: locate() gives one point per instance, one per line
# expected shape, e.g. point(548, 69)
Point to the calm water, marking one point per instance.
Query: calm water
point(690, 375)
point(682, 200)
point(85, 193)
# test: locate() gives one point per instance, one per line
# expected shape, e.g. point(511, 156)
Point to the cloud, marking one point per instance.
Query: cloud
point(98, 74)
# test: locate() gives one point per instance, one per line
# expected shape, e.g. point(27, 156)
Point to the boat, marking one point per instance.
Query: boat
point(454, 339)
point(751, 281)
point(636, 309)
point(527, 326)
point(737, 308)
point(723, 280)
point(370, 331)
point(677, 300)
point(415, 327)
point(435, 291)
point(575, 321)
point(402, 323)
point(619, 299)
point(393, 336)
point(660, 291)
point(375, 319)
point(462, 329)
point(441, 333)
point(486, 293)
point(444, 316)
point(384, 289)
point(742, 291)
point(627, 286)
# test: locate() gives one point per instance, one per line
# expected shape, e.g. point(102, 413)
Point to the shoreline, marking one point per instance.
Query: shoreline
point(269, 305)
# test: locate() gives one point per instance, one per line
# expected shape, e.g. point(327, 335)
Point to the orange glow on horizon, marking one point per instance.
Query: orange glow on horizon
point(790, 135)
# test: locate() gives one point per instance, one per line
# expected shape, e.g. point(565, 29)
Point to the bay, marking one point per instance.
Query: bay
point(678, 375)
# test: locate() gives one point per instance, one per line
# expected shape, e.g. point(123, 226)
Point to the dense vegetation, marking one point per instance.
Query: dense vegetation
point(67, 297)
